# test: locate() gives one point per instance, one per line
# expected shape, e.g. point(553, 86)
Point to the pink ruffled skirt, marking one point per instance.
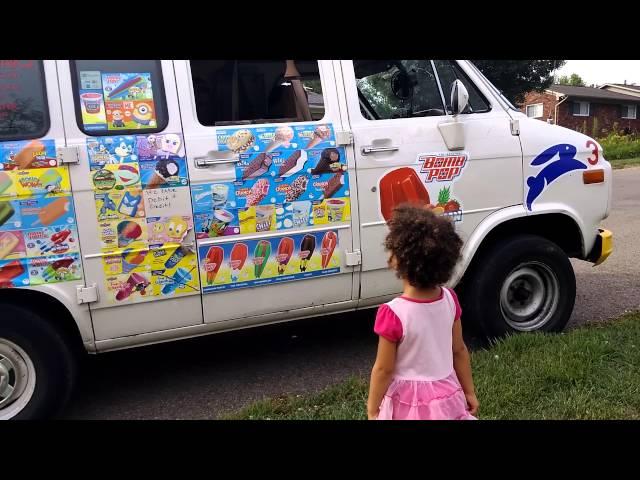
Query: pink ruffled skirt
point(425, 400)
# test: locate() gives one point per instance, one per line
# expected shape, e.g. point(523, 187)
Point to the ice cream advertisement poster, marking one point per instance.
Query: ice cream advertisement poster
point(54, 269)
point(41, 181)
point(268, 139)
point(165, 172)
point(28, 154)
point(44, 212)
point(111, 150)
point(252, 263)
point(116, 177)
point(163, 230)
point(120, 234)
point(51, 241)
point(94, 116)
point(120, 205)
point(12, 245)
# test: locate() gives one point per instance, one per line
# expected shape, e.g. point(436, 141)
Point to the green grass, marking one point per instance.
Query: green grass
point(625, 162)
point(592, 372)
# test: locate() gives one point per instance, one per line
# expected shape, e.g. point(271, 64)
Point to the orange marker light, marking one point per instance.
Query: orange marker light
point(593, 176)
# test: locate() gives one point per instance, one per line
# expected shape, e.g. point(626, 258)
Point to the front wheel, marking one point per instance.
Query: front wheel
point(523, 284)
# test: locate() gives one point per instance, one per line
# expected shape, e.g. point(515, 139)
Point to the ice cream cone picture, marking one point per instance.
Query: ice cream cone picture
point(212, 262)
point(25, 157)
point(320, 134)
point(261, 255)
point(329, 242)
point(307, 246)
point(329, 162)
point(285, 251)
point(239, 254)
point(282, 136)
point(165, 169)
point(241, 141)
point(401, 186)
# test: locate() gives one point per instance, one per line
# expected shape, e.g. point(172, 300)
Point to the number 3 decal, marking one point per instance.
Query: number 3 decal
point(594, 160)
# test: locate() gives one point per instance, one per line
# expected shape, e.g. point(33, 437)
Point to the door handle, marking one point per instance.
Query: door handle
point(206, 161)
point(368, 149)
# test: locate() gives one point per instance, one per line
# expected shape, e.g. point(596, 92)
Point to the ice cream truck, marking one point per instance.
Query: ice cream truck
point(143, 201)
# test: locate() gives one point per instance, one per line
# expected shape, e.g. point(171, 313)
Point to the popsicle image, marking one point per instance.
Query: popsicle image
point(25, 157)
point(293, 164)
point(129, 204)
point(258, 166)
point(282, 136)
point(165, 169)
point(259, 190)
point(135, 283)
point(123, 87)
point(402, 185)
point(239, 254)
point(285, 251)
point(8, 241)
point(6, 212)
point(133, 259)
point(329, 242)
point(128, 232)
point(127, 175)
point(297, 188)
point(10, 271)
point(212, 261)
point(181, 278)
point(241, 141)
point(51, 212)
point(51, 180)
point(56, 239)
point(50, 273)
point(307, 246)
point(320, 134)
point(5, 182)
point(261, 255)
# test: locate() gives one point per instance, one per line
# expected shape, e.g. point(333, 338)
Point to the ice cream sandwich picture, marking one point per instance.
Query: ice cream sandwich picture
point(241, 141)
point(402, 185)
point(293, 164)
point(258, 166)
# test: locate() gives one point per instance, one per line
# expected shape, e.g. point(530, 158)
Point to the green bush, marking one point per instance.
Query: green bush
point(617, 146)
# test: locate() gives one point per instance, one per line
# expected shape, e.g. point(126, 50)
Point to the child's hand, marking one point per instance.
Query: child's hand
point(472, 403)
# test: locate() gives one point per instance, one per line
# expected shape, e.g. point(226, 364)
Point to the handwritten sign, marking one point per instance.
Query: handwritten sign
point(167, 201)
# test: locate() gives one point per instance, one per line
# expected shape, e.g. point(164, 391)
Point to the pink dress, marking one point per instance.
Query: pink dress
point(424, 385)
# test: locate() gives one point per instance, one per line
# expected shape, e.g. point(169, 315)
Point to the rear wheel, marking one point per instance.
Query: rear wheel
point(37, 366)
point(522, 284)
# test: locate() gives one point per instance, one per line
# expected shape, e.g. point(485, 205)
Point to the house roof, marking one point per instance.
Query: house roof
point(594, 93)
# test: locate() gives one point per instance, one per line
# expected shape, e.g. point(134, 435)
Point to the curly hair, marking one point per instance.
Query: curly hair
point(424, 246)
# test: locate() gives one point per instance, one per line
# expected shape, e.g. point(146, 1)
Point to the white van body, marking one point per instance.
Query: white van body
point(187, 233)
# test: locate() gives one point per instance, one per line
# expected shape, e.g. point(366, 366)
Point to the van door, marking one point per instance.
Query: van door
point(408, 147)
point(131, 190)
point(270, 187)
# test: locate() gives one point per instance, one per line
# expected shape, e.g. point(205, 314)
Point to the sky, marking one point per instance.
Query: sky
point(603, 71)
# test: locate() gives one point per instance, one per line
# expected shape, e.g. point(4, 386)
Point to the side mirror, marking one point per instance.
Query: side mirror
point(459, 97)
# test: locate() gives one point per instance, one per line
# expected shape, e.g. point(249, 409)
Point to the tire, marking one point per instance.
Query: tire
point(42, 367)
point(522, 284)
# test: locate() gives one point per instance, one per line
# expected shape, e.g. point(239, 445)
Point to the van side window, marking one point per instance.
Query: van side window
point(397, 89)
point(448, 71)
point(234, 92)
point(24, 113)
point(115, 97)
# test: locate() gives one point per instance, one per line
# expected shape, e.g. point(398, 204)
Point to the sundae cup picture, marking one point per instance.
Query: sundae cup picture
point(219, 194)
point(212, 262)
point(221, 219)
point(258, 166)
point(239, 254)
point(135, 283)
point(335, 207)
point(307, 246)
point(128, 232)
point(329, 242)
point(282, 137)
point(92, 102)
point(293, 164)
point(329, 162)
point(165, 169)
point(241, 141)
point(285, 251)
point(401, 186)
point(320, 134)
point(261, 255)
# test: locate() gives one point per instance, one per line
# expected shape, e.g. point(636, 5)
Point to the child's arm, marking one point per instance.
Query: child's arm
point(462, 366)
point(381, 375)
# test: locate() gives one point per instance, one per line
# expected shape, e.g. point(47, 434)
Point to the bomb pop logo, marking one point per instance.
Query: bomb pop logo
point(442, 167)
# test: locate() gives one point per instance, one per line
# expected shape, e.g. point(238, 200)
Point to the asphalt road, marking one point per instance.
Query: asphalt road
point(207, 377)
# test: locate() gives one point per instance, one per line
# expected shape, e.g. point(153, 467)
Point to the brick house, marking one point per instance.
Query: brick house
point(593, 111)
point(633, 90)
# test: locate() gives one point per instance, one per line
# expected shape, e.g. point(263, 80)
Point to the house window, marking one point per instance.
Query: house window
point(534, 111)
point(629, 111)
point(581, 109)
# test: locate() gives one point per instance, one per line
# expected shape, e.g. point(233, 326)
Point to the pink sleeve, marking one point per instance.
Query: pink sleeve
point(388, 324)
point(458, 307)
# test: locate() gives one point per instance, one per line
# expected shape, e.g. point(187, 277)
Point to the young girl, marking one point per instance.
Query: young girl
point(422, 371)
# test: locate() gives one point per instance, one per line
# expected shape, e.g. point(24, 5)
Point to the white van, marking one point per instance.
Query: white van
point(144, 201)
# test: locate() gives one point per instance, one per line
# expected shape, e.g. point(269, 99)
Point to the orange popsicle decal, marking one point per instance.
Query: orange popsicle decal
point(329, 242)
point(402, 185)
point(212, 262)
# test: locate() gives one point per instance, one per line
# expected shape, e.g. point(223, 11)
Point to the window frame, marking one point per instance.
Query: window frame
point(47, 117)
point(635, 111)
point(582, 114)
point(535, 105)
point(131, 131)
point(468, 79)
point(251, 124)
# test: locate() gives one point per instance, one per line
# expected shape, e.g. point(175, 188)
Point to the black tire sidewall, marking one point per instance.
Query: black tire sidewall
point(53, 360)
point(482, 290)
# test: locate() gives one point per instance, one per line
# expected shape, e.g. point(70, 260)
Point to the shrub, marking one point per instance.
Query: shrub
point(617, 146)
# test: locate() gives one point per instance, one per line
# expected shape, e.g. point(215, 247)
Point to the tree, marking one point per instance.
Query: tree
point(574, 80)
point(514, 78)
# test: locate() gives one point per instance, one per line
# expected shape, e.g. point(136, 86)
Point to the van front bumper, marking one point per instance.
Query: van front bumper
point(602, 248)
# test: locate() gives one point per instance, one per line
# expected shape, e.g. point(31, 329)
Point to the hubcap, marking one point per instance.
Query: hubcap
point(529, 296)
point(17, 379)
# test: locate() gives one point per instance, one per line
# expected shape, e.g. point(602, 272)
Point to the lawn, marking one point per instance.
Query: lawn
point(592, 372)
point(625, 162)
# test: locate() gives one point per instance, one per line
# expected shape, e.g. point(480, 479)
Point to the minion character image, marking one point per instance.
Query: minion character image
point(143, 115)
point(118, 119)
point(176, 228)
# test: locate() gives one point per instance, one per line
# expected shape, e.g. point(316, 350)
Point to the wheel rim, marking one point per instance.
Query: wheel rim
point(17, 379)
point(529, 296)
